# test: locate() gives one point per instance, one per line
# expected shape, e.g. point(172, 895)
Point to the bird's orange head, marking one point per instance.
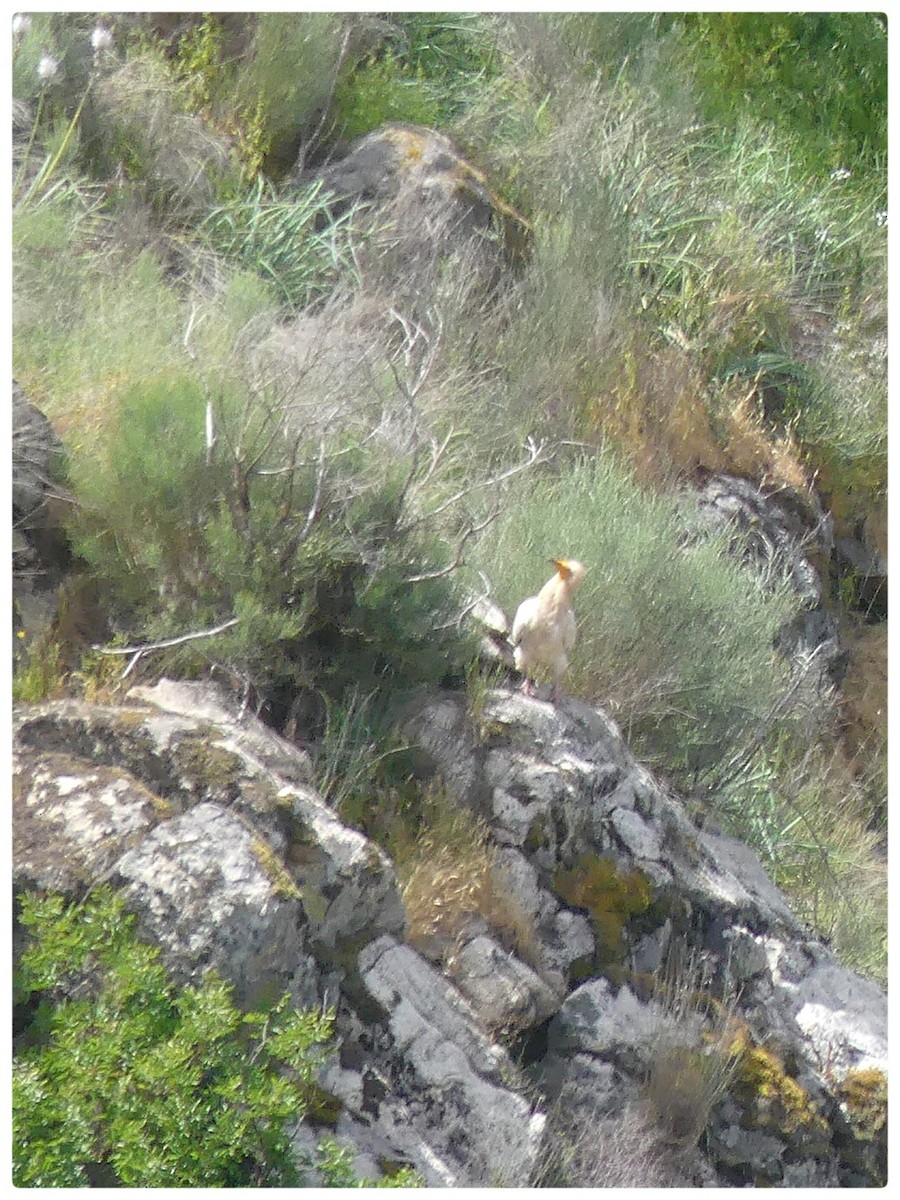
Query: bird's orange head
point(569, 569)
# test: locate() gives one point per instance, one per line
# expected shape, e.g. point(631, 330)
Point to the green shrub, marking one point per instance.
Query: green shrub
point(133, 1082)
point(676, 640)
point(307, 545)
point(126, 1080)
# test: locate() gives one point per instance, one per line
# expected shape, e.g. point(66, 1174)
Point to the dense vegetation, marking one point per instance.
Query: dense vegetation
point(128, 1081)
point(705, 290)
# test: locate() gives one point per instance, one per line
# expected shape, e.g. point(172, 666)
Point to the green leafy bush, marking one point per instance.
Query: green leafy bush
point(310, 547)
point(130, 1081)
point(676, 640)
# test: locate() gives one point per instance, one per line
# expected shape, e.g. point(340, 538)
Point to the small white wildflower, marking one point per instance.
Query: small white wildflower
point(841, 173)
point(824, 237)
point(21, 23)
point(48, 68)
point(101, 39)
point(881, 217)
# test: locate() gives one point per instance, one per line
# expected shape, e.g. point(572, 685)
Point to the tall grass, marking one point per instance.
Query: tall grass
point(653, 229)
point(294, 243)
point(810, 821)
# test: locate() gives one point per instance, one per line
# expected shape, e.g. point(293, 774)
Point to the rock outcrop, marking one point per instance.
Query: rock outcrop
point(40, 550)
point(792, 534)
point(667, 991)
point(420, 174)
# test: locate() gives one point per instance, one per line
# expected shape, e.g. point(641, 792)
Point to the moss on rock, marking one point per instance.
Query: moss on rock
point(610, 894)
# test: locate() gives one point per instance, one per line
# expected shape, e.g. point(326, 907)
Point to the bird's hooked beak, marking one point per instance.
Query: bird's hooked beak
point(562, 567)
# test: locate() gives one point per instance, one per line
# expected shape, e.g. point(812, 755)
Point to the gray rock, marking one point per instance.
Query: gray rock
point(567, 940)
point(146, 765)
point(72, 820)
point(483, 1133)
point(349, 888)
point(36, 458)
point(442, 732)
point(746, 954)
point(422, 171)
point(639, 838)
point(841, 1018)
point(796, 533)
point(261, 749)
point(205, 890)
point(607, 1022)
point(507, 995)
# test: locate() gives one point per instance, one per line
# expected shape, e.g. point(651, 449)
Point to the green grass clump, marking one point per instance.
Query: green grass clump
point(811, 823)
point(379, 91)
point(295, 244)
point(677, 641)
point(820, 76)
point(425, 72)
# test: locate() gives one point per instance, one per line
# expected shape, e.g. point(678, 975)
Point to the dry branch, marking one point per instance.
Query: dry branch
point(138, 651)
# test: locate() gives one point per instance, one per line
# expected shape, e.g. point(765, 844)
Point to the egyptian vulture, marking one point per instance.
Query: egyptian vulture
point(543, 632)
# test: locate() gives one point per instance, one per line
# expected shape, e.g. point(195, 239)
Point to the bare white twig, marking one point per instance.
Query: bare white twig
point(316, 506)
point(186, 340)
point(210, 432)
point(456, 562)
point(175, 641)
point(536, 453)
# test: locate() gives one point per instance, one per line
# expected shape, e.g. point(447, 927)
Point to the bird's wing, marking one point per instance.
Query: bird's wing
point(567, 629)
point(524, 619)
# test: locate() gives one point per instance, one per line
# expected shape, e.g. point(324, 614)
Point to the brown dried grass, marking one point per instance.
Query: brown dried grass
point(451, 883)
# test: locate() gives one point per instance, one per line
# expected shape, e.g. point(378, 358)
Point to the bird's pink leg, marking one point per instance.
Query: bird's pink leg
point(528, 688)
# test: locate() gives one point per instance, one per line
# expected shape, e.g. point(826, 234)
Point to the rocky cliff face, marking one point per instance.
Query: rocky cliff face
point(658, 986)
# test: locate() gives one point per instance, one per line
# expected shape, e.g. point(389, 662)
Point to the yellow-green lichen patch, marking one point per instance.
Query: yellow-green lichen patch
point(208, 769)
point(771, 1098)
point(410, 142)
point(612, 896)
point(863, 1099)
point(275, 870)
point(863, 1095)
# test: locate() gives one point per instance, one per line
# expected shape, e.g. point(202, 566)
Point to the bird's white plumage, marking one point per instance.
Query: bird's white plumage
point(544, 630)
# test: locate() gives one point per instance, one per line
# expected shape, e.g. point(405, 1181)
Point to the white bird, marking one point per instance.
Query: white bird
point(543, 632)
